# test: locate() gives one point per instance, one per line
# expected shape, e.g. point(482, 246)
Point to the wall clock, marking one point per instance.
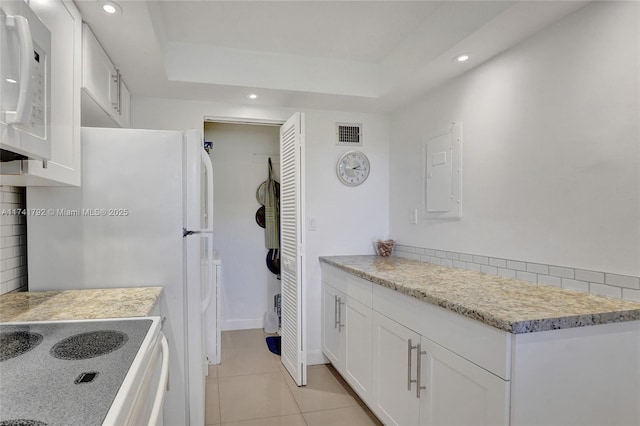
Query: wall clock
point(353, 168)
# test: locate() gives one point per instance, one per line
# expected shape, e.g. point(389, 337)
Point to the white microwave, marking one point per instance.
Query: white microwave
point(25, 46)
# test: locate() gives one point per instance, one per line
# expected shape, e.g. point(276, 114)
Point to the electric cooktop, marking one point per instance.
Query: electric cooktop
point(67, 372)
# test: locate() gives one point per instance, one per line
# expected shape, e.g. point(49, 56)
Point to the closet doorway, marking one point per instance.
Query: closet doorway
point(239, 155)
point(240, 152)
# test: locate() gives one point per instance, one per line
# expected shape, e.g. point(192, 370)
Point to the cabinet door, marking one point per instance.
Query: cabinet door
point(97, 72)
point(125, 106)
point(394, 398)
point(458, 392)
point(358, 341)
point(331, 336)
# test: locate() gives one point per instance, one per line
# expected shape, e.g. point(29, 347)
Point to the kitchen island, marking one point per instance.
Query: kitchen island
point(429, 344)
point(79, 304)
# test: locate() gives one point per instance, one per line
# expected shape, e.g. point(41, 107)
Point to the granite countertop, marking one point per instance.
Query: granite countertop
point(78, 304)
point(507, 304)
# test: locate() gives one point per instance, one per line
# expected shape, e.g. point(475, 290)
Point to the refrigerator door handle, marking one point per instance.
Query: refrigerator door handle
point(186, 232)
point(206, 161)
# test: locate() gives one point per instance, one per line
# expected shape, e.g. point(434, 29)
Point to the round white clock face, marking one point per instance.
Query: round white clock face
point(353, 168)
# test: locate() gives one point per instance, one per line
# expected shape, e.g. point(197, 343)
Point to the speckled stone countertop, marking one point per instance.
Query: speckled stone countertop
point(78, 304)
point(507, 304)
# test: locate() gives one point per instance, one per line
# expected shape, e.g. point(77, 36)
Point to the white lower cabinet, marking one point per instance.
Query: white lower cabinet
point(346, 338)
point(394, 382)
point(357, 346)
point(418, 382)
point(331, 336)
point(404, 377)
point(458, 392)
point(414, 363)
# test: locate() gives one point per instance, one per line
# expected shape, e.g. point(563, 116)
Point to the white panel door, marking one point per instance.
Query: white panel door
point(97, 72)
point(331, 336)
point(357, 331)
point(448, 379)
point(394, 398)
point(293, 355)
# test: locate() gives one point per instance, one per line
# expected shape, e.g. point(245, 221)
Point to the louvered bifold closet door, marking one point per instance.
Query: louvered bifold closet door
point(293, 355)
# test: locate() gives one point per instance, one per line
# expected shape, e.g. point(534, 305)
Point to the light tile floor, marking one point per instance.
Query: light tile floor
point(250, 387)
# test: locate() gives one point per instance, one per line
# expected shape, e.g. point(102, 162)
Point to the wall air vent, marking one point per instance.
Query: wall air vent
point(348, 134)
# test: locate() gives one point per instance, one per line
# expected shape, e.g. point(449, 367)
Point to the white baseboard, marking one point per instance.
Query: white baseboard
point(316, 357)
point(241, 324)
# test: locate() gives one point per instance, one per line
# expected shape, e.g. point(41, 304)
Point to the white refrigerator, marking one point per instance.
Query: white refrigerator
point(142, 217)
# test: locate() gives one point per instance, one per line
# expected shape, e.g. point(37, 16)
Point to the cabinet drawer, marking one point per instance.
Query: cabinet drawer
point(479, 343)
point(352, 286)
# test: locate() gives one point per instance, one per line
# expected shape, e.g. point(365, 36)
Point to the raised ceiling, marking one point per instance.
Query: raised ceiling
point(357, 55)
point(338, 30)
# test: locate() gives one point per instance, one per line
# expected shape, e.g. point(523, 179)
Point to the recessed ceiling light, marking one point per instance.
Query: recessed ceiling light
point(111, 8)
point(462, 58)
point(252, 96)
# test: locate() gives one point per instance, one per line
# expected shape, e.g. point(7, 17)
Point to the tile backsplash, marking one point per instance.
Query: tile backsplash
point(601, 283)
point(13, 239)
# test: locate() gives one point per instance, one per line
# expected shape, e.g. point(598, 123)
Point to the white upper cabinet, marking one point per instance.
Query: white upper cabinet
point(105, 97)
point(65, 24)
point(97, 70)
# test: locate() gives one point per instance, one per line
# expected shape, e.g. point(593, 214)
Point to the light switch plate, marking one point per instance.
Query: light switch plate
point(413, 217)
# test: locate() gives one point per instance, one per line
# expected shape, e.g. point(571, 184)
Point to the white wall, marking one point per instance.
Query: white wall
point(248, 286)
point(551, 148)
point(180, 114)
point(347, 218)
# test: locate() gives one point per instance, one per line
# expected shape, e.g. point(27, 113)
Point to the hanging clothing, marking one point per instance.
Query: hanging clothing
point(272, 213)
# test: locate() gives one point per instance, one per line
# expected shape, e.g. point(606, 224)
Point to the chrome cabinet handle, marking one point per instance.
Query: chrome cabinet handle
point(115, 91)
point(419, 371)
point(410, 348)
point(335, 311)
point(340, 303)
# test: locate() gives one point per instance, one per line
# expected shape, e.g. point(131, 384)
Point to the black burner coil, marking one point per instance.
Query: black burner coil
point(15, 343)
point(89, 345)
